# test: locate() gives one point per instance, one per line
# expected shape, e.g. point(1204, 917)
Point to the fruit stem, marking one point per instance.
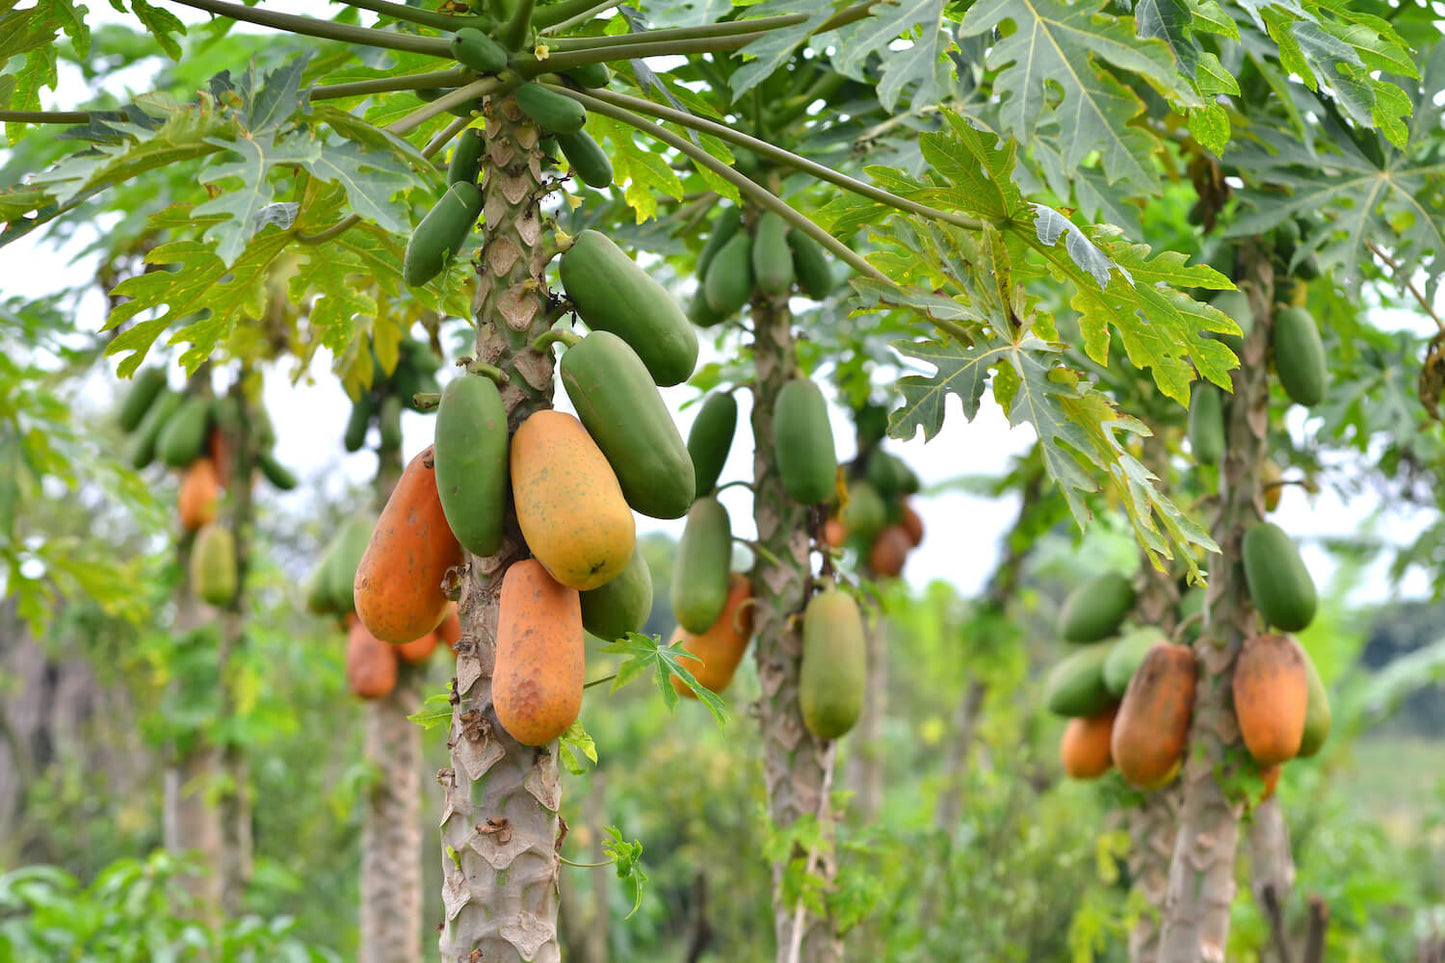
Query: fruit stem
point(736, 483)
point(548, 338)
point(426, 400)
point(381, 85)
point(325, 29)
point(473, 90)
point(729, 29)
point(488, 371)
point(583, 865)
point(514, 32)
point(757, 547)
point(423, 18)
point(605, 678)
point(44, 116)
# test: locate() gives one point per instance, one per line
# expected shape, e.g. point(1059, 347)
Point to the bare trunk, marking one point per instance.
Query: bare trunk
point(796, 764)
point(1201, 874)
point(499, 823)
point(866, 745)
point(1271, 869)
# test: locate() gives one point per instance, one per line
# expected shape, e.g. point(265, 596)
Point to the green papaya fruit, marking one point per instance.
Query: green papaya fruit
point(1125, 656)
point(1236, 305)
point(318, 589)
point(700, 575)
point(419, 356)
point(466, 161)
point(612, 293)
point(470, 456)
point(351, 542)
point(553, 112)
point(1075, 685)
point(145, 387)
point(700, 313)
point(711, 438)
point(622, 605)
point(441, 234)
point(183, 439)
point(356, 425)
point(475, 50)
point(276, 473)
point(589, 75)
point(388, 420)
point(213, 565)
point(910, 482)
point(1299, 356)
point(265, 431)
point(1094, 610)
point(1317, 712)
point(728, 282)
point(1286, 236)
point(143, 444)
point(1278, 581)
point(865, 515)
point(1308, 269)
point(886, 473)
point(810, 264)
point(834, 668)
point(772, 260)
point(1206, 423)
point(871, 422)
point(723, 230)
point(589, 161)
point(624, 413)
point(803, 441)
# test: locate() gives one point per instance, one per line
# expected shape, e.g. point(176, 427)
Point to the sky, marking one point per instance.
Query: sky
point(963, 531)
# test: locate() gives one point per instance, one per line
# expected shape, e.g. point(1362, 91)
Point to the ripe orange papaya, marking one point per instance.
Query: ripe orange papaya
point(569, 504)
point(722, 646)
point(370, 664)
point(835, 533)
point(449, 632)
point(418, 650)
point(1152, 727)
point(912, 522)
point(1084, 749)
point(1271, 697)
point(398, 585)
point(890, 550)
point(537, 682)
point(200, 494)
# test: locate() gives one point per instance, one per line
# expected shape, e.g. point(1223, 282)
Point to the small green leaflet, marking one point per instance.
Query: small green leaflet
point(435, 711)
point(627, 858)
point(576, 740)
point(646, 652)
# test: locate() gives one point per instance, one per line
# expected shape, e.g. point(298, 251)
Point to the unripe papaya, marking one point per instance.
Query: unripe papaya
point(912, 523)
point(474, 49)
point(274, 472)
point(622, 605)
point(183, 439)
point(720, 649)
point(143, 443)
point(398, 587)
point(700, 313)
point(1278, 581)
point(1084, 749)
point(711, 438)
point(772, 261)
point(589, 75)
point(589, 161)
point(569, 505)
point(885, 473)
point(537, 682)
point(834, 670)
point(625, 414)
point(360, 420)
point(1317, 713)
point(318, 597)
point(441, 233)
point(700, 575)
point(612, 293)
point(1094, 610)
point(466, 157)
point(728, 283)
point(344, 558)
point(1075, 685)
point(145, 387)
point(803, 442)
point(1299, 356)
point(200, 494)
point(909, 483)
point(723, 230)
point(388, 422)
point(1206, 423)
point(889, 551)
point(1271, 697)
point(1127, 654)
point(471, 462)
point(1236, 305)
point(419, 650)
point(213, 565)
point(810, 264)
point(1152, 727)
point(370, 664)
point(864, 515)
point(553, 112)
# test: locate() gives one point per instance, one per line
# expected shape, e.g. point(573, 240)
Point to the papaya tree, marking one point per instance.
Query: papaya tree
point(961, 162)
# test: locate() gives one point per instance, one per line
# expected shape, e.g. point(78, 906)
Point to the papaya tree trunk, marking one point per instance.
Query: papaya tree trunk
point(1271, 864)
point(499, 821)
point(797, 765)
point(1201, 872)
point(390, 912)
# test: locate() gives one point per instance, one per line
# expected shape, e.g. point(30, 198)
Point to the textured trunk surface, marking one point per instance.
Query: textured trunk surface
point(866, 743)
point(1201, 873)
point(1271, 864)
point(499, 821)
point(796, 763)
point(391, 895)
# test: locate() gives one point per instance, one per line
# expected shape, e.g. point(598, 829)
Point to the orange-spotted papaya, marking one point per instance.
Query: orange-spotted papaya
point(538, 678)
point(720, 649)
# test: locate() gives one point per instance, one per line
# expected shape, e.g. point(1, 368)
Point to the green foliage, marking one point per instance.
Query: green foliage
point(646, 652)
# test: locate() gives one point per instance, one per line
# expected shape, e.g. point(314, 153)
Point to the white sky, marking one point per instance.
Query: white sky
point(963, 532)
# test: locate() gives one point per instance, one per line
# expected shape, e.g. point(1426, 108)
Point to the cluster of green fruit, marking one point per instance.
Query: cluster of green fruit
point(877, 520)
point(765, 258)
point(415, 374)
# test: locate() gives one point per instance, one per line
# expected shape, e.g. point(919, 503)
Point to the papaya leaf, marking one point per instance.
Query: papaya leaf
point(922, 66)
point(259, 154)
point(646, 652)
point(576, 740)
point(647, 173)
point(626, 857)
point(772, 48)
point(435, 711)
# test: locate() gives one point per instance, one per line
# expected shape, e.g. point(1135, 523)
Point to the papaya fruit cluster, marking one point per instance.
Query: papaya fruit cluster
point(192, 434)
point(767, 258)
point(382, 404)
point(1128, 692)
point(878, 521)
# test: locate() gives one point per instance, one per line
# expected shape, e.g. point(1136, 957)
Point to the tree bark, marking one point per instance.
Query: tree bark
point(796, 763)
point(499, 823)
point(1201, 873)
point(1271, 864)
